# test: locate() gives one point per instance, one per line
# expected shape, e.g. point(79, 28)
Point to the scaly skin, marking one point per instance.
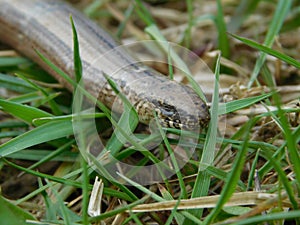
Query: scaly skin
point(29, 25)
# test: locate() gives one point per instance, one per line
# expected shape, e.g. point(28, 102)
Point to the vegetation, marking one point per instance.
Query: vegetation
point(245, 168)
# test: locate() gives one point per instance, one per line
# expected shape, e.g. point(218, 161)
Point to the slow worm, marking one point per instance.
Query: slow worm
point(29, 25)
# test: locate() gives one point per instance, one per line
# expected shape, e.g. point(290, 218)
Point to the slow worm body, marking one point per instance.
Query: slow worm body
point(29, 25)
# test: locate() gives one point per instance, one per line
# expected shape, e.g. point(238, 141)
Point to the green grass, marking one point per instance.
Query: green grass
point(38, 126)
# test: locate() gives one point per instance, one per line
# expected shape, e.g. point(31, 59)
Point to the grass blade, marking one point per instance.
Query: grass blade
point(23, 112)
point(11, 214)
point(282, 9)
point(76, 53)
point(14, 84)
point(202, 182)
point(48, 97)
point(223, 43)
point(241, 103)
point(13, 61)
point(233, 178)
point(269, 51)
point(41, 134)
point(154, 32)
point(270, 217)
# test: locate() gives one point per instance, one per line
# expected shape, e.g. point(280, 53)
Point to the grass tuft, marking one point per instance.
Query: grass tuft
point(246, 164)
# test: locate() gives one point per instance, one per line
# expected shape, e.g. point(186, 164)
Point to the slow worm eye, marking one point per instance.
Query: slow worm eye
point(166, 112)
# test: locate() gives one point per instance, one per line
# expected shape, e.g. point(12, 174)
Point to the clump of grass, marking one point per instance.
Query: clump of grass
point(246, 172)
